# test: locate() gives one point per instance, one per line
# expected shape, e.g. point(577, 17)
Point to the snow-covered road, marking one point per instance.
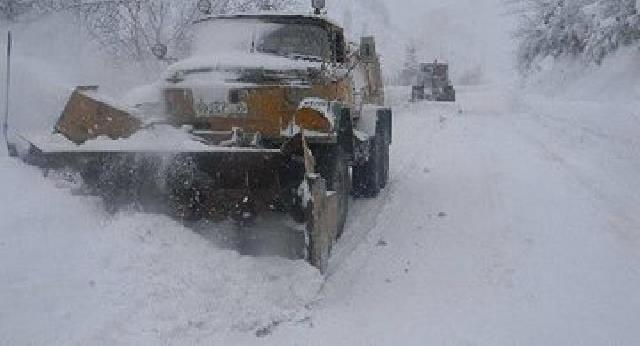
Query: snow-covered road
point(506, 224)
point(508, 221)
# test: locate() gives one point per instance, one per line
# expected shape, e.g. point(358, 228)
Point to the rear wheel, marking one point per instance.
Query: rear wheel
point(449, 94)
point(384, 162)
point(367, 176)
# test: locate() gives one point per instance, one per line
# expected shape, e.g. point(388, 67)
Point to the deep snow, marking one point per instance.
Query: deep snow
point(72, 274)
point(505, 223)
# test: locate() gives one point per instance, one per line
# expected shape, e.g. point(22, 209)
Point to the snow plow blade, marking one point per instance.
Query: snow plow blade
point(165, 169)
point(243, 187)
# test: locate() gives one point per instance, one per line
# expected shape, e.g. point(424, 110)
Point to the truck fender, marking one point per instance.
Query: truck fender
point(374, 119)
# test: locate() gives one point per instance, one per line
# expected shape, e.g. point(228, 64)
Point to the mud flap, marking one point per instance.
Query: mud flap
point(322, 222)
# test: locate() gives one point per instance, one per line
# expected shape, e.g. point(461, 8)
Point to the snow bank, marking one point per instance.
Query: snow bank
point(71, 274)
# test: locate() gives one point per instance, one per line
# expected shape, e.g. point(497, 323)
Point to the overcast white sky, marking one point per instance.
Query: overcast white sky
point(465, 32)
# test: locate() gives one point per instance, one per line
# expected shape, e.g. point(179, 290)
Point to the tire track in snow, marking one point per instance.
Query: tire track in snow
point(366, 224)
point(620, 220)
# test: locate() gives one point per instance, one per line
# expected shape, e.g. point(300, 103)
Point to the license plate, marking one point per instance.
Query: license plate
point(220, 109)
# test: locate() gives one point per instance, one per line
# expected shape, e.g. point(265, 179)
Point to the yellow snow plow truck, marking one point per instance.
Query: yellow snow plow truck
point(272, 115)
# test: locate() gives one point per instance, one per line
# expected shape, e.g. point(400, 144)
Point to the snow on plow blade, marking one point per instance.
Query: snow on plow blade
point(161, 168)
point(87, 116)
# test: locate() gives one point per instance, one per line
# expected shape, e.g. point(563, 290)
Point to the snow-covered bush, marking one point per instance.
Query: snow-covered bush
point(588, 30)
point(410, 68)
point(616, 24)
point(17, 10)
point(129, 28)
point(12, 9)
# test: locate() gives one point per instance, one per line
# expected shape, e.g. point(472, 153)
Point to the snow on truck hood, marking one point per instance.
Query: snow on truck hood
point(242, 61)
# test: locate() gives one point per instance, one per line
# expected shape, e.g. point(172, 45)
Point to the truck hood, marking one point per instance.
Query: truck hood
point(241, 69)
point(230, 62)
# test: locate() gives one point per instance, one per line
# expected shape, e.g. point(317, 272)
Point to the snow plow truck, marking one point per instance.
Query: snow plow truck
point(433, 83)
point(272, 115)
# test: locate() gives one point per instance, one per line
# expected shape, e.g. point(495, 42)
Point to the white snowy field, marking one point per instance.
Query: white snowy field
point(511, 219)
point(70, 274)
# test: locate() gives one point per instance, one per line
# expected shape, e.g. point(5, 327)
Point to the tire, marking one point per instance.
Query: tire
point(449, 94)
point(384, 132)
point(333, 165)
point(367, 175)
point(384, 163)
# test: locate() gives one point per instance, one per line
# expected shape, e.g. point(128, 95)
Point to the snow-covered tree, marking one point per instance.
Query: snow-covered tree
point(129, 28)
point(410, 66)
point(615, 24)
point(585, 29)
point(551, 28)
point(12, 10)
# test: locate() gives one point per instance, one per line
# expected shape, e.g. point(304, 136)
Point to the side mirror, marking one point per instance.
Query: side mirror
point(318, 6)
point(160, 51)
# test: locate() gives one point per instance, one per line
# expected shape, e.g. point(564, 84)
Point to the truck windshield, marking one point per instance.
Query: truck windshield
point(300, 41)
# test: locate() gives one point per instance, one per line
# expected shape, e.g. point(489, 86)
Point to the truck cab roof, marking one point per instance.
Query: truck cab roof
point(279, 18)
